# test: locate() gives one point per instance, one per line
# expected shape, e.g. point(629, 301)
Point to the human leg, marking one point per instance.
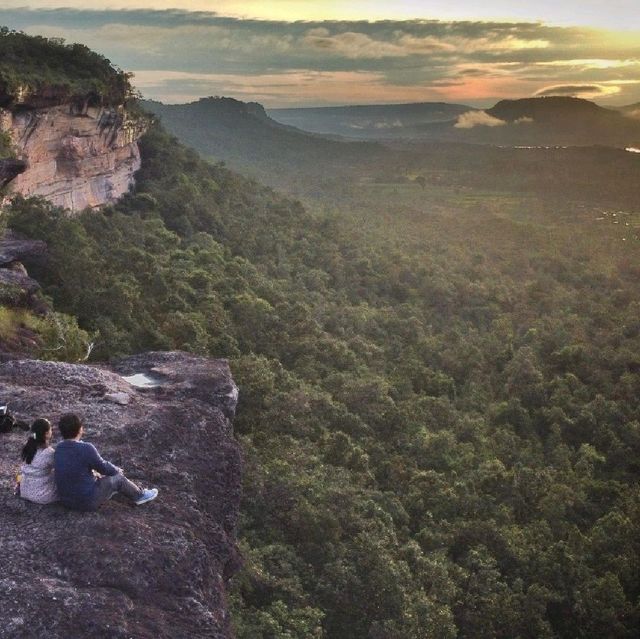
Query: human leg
point(107, 486)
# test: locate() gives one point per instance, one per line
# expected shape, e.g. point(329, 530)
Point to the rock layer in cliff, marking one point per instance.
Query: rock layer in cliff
point(155, 571)
point(75, 157)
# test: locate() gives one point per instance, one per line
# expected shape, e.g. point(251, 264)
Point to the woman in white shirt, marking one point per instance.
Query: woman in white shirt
point(37, 483)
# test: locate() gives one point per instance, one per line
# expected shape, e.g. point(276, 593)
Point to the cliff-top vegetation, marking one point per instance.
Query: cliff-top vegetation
point(48, 70)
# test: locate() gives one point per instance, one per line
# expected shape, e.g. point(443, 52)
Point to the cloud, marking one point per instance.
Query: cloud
point(296, 87)
point(351, 45)
point(523, 120)
point(396, 124)
point(464, 61)
point(477, 118)
point(399, 43)
point(590, 63)
point(619, 14)
point(588, 91)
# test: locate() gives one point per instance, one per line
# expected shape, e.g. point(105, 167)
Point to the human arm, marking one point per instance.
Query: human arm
point(101, 465)
point(48, 459)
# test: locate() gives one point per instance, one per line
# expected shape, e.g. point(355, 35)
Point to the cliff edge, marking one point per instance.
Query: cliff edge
point(156, 571)
point(74, 155)
point(67, 132)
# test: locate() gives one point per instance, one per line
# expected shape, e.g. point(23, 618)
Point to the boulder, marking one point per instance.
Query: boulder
point(9, 169)
point(14, 249)
point(16, 288)
point(154, 571)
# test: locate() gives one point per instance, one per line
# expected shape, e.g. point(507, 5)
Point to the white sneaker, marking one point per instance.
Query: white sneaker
point(148, 494)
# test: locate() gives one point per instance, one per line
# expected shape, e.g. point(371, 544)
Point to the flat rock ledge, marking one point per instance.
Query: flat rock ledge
point(150, 572)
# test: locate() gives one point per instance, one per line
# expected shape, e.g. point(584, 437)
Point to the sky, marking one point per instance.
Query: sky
point(314, 53)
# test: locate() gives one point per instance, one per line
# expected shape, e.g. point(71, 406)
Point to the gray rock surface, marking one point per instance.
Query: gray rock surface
point(14, 249)
point(9, 169)
point(154, 571)
point(17, 289)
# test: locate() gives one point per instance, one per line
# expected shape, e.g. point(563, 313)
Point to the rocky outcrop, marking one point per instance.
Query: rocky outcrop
point(15, 249)
point(9, 169)
point(39, 97)
point(76, 155)
point(17, 289)
point(155, 571)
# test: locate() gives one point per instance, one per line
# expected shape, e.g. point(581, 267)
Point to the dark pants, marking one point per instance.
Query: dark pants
point(107, 487)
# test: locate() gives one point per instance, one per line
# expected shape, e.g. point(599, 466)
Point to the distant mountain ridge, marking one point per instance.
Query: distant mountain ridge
point(249, 140)
point(244, 136)
point(552, 120)
point(542, 121)
point(369, 120)
point(548, 109)
point(632, 110)
point(561, 120)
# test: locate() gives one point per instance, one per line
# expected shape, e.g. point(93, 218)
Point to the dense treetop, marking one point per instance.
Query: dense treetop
point(54, 70)
point(439, 391)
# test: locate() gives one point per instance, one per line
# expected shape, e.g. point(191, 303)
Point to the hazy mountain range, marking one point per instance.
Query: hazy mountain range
point(235, 128)
point(245, 137)
point(508, 141)
point(369, 121)
point(529, 121)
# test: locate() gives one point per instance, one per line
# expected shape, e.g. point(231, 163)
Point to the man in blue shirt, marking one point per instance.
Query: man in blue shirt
point(75, 462)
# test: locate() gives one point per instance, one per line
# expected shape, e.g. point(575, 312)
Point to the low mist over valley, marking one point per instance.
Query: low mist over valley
point(550, 120)
point(550, 147)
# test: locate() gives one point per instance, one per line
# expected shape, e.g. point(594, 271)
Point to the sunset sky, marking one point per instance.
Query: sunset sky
point(299, 52)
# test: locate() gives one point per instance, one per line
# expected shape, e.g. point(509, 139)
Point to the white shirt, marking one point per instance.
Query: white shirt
point(38, 483)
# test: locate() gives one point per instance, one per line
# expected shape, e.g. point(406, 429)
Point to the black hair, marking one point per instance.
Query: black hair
point(69, 425)
point(39, 430)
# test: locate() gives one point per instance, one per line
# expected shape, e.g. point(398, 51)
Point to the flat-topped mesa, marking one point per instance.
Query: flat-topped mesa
point(159, 570)
point(78, 153)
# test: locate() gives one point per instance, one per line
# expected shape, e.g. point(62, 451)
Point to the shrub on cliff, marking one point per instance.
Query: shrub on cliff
point(34, 67)
point(55, 336)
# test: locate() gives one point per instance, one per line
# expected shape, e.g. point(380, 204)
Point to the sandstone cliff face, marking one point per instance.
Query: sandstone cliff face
point(76, 156)
point(155, 571)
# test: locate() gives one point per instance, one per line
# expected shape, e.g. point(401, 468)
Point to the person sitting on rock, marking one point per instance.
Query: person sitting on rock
point(75, 463)
point(37, 482)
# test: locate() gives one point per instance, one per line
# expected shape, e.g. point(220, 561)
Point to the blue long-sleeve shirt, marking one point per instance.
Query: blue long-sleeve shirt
point(74, 462)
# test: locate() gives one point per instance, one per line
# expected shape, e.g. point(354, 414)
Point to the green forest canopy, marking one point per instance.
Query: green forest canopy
point(440, 410)
point(48, 64)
